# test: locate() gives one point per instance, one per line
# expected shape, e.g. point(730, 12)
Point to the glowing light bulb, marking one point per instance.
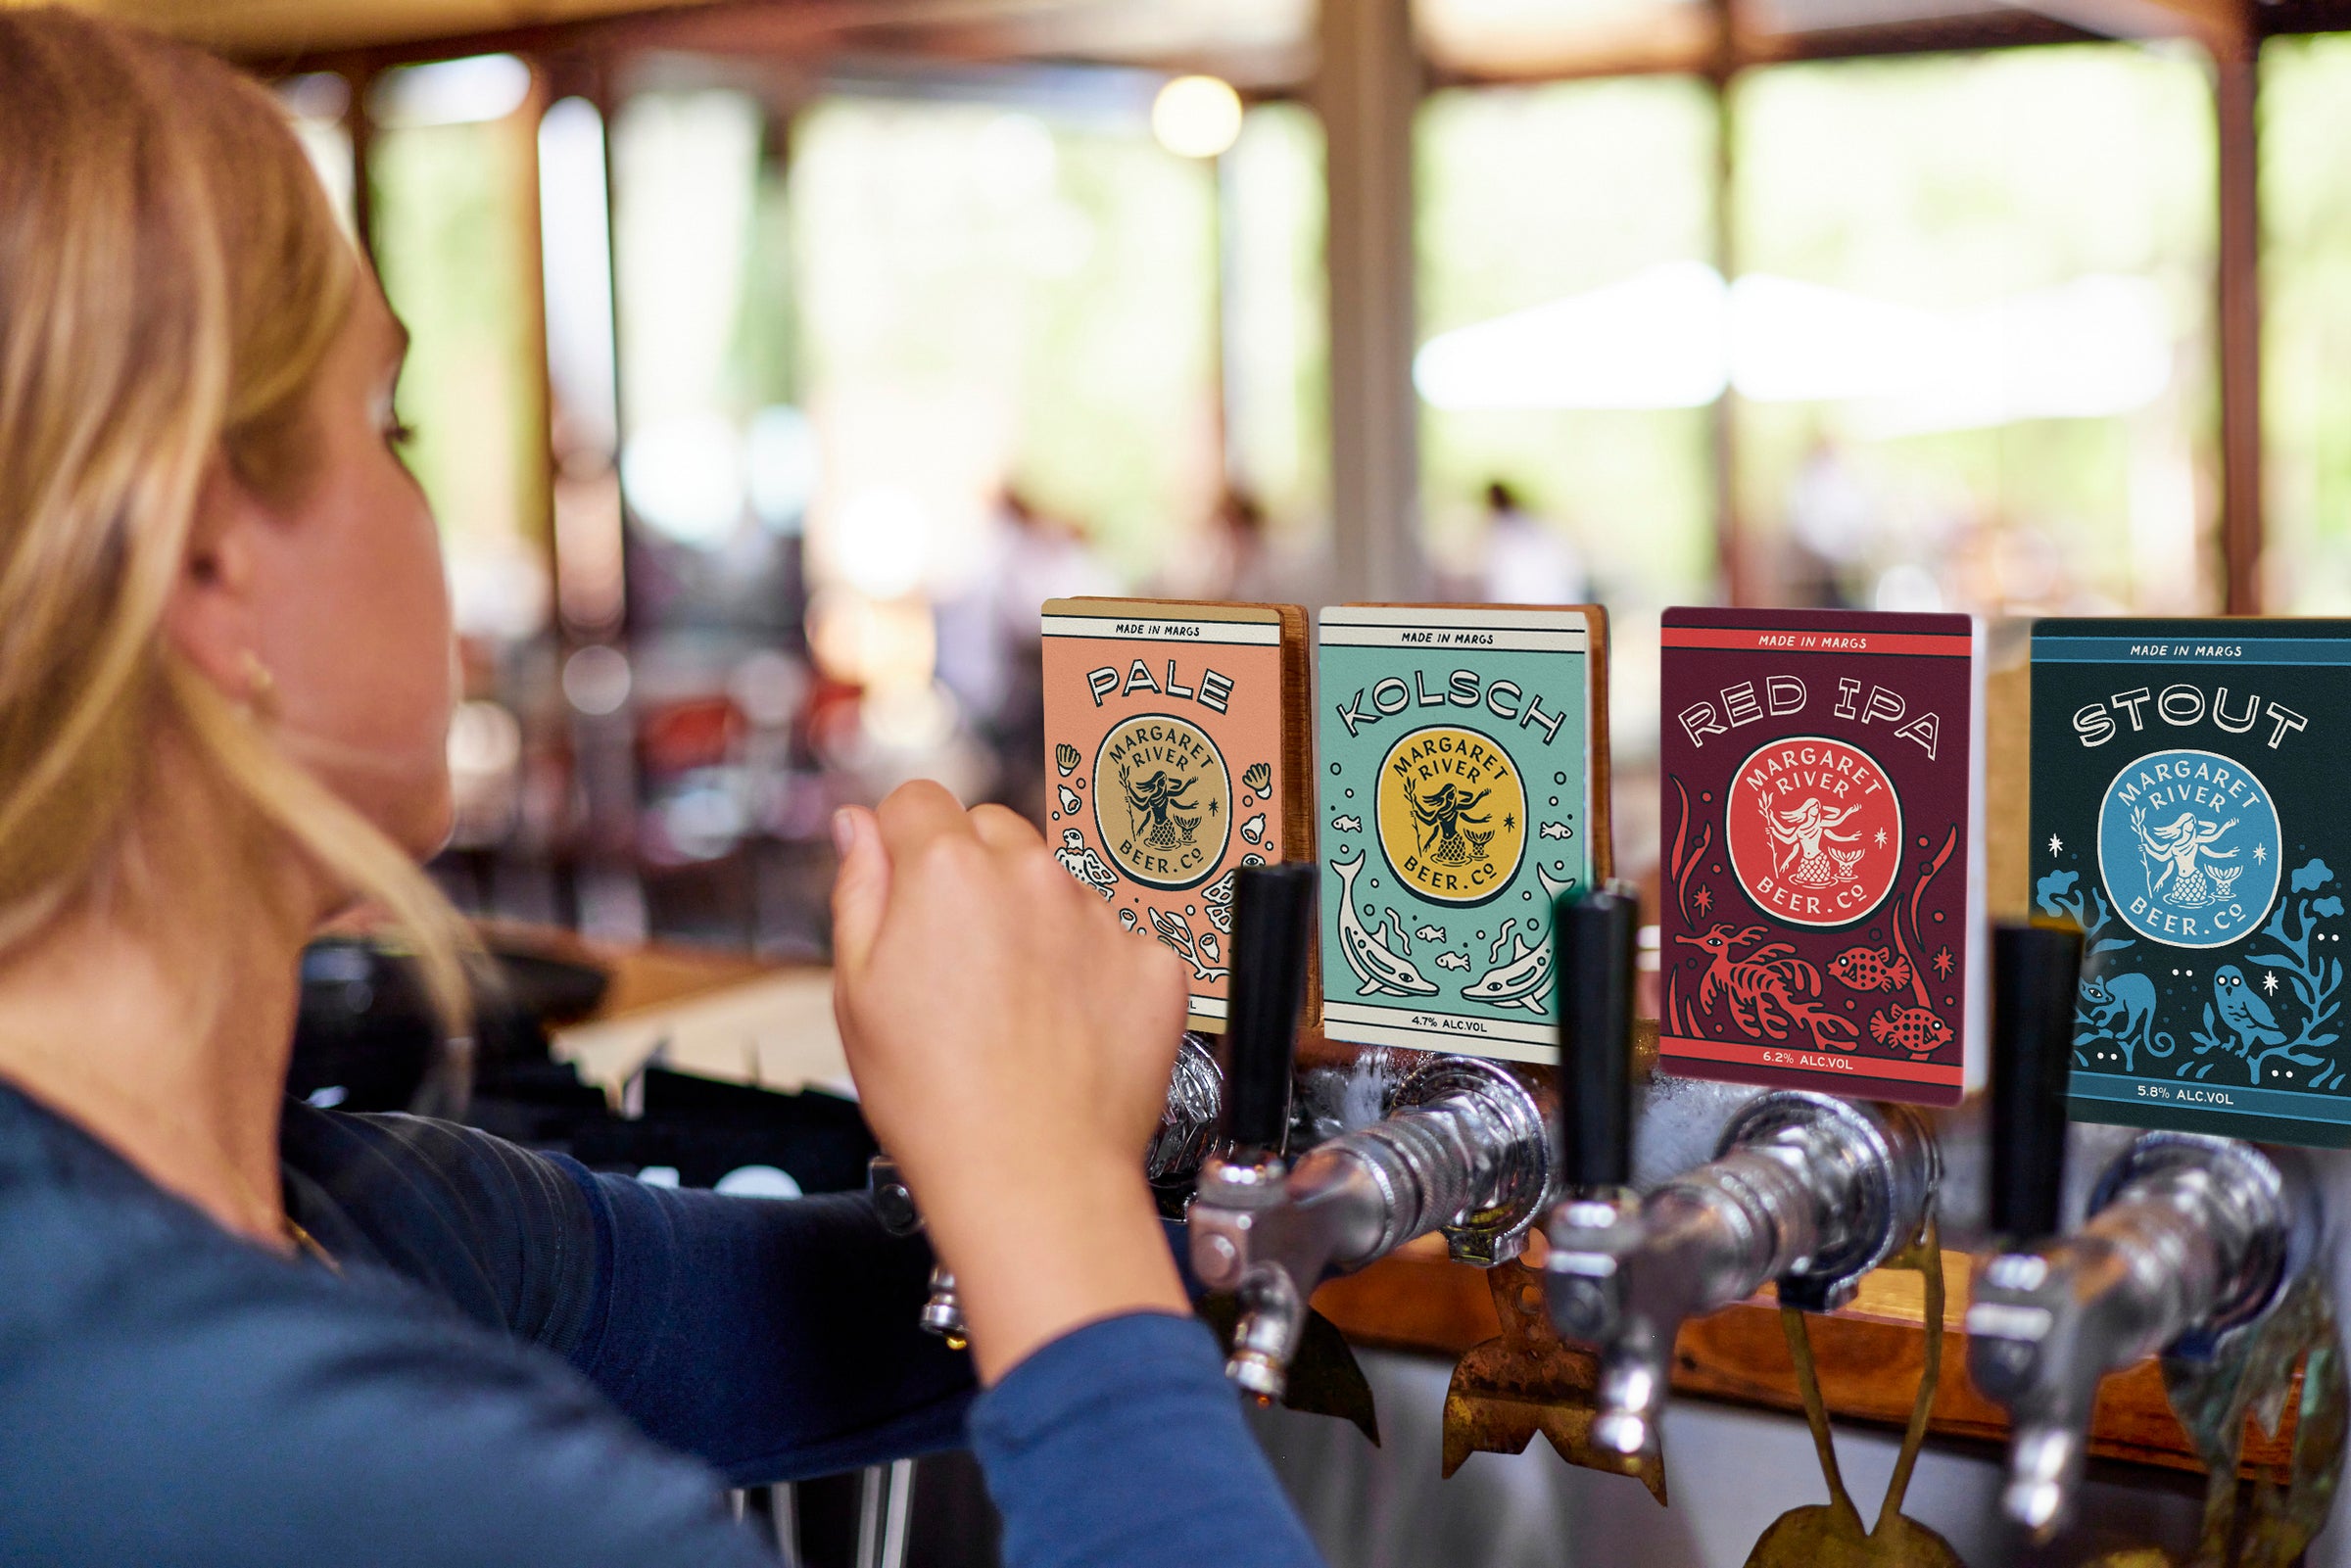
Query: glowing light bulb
point(1196, 117)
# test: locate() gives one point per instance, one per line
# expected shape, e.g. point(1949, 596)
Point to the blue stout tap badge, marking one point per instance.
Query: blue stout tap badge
point(2189, 847)
point(2187, 815)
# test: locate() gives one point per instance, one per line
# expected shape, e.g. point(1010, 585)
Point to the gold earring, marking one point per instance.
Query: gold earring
point(261, 686)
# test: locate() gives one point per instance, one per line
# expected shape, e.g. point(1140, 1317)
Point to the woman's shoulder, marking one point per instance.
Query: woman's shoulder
point(170, 1392)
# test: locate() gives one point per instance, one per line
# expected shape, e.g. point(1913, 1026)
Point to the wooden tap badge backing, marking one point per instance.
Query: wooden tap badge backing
point(1175, 749)
point(1821, 884)
point(1463, 787)
point(2186, 813)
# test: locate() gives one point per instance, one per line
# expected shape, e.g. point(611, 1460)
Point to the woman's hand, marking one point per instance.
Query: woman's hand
point(1011, 1045)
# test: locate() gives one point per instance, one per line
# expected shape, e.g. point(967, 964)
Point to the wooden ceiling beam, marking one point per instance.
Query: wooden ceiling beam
point(725, 26)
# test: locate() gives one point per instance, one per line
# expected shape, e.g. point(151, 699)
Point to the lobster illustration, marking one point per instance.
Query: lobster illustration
point(1767, 989)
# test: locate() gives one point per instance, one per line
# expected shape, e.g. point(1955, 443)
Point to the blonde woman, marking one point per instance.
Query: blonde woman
point(235, 1330)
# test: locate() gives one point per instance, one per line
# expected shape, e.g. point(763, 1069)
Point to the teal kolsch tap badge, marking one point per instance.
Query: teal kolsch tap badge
point(2187, 812)
point(1458, 752)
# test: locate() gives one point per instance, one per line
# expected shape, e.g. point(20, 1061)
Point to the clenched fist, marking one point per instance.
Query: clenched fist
point(1011, 1045)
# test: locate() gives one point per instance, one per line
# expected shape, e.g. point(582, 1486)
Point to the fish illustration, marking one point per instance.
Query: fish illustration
point(1871, 968)
point(1079, 859)
point(1430, 934)
point(1913, 1029)
point(1069, 800)
point(1253, 830)
point(1553, 886)
point(1522, 979)
point(1346, 825)
point(1557, 830)
point(1380, 970)
point(1454, 960)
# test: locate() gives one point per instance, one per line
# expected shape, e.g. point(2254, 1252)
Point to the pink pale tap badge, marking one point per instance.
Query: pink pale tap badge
point(1815, 831)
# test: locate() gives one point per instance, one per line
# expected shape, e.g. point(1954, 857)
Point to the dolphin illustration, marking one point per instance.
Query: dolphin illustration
point(1522, 979)
point(1380, 970)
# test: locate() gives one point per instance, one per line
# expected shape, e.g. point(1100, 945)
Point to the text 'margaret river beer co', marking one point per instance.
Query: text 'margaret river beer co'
point(2187, 813)
point(1173, 749)
point(1821, 886)
point(1462, 756)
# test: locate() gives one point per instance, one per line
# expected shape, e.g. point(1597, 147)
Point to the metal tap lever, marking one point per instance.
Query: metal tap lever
point(2187, 1238)
point(2036, 973)
point(1807, 1190)
point(894, 1207)
point(1463, 1148)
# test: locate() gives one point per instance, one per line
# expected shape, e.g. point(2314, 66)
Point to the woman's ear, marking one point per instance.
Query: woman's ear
point(212, 617)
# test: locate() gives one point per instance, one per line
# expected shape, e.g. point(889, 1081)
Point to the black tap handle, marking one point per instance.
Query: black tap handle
point(2036, 978)
point(1595, 934)
point(1272, 927)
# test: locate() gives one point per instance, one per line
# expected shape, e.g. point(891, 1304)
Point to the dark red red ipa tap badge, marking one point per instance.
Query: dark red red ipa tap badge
point(1821, 868)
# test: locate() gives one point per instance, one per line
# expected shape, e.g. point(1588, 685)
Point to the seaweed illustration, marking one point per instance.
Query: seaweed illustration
point(2060, 896)
point(1682, 866)
point(2314, 978)
point(1176, 932)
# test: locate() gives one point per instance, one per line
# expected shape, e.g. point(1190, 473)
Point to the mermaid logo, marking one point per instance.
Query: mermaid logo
point(1815, 829)
point(2189, 845)
point(1451, 814)
point(1163, 800)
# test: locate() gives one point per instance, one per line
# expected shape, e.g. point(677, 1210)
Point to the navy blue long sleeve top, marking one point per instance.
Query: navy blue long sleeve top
point(519, 1362)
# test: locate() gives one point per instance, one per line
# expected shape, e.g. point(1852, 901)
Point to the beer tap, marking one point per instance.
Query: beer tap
point(1195, 1096)
point(1463, 1148)
point(2188, 1239)
point(894, 1207)
point(1806, 1190)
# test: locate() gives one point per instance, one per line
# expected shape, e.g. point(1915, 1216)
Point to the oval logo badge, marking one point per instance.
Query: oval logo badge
point(1163, 800)
point(1451, 814)
point(1815, 831)
point(2189, 846)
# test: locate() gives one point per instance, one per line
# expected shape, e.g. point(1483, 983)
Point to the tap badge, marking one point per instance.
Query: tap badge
point(2189, 847)
point(1815, 831)
point(1163, 800)
point(1451, 812)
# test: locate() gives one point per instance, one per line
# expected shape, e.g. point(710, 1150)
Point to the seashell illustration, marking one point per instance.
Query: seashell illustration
point(1069, 800)
point(1127, 917)
point(1259, 776)
point(1065, 757)
point(1253, 830)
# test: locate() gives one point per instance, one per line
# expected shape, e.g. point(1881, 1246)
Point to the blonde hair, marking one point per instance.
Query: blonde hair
point(171, 277)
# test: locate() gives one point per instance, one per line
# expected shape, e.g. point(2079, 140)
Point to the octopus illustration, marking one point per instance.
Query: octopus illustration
point(2184, 844)
point(1808, 831)
point(1444, 814)
point(1159, 801)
